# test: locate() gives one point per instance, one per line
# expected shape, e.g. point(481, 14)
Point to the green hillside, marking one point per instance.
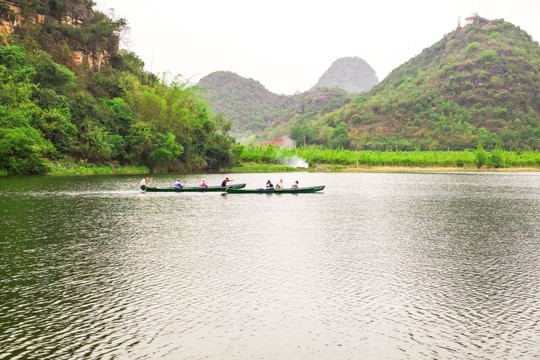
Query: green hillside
point(310, 106)
point(480, 84)
point(249, 105)
point(69, 97)
point(254, 110)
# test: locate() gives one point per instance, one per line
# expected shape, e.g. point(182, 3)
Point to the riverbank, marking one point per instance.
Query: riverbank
point(103, 170)
point(275, 168)
point(372, 169)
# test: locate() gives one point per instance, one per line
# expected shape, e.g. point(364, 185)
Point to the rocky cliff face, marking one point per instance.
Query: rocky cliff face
point(351, 74)
point(14, 13)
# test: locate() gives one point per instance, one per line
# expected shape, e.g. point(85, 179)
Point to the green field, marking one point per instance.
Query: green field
point(314, 156)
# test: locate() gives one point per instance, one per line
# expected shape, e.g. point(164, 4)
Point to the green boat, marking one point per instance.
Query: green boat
point(307, 189)
point(193, 188)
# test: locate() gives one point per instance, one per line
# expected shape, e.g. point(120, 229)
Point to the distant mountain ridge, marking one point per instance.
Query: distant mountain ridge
point(351, 74)
point(252, 108)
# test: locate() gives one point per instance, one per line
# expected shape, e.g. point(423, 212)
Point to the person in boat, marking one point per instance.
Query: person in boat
point(269, 185)
point(145, 182)
point(279, 185)
point(224, 183)
point(178, 184)
point(295, 185)
point(203, 185)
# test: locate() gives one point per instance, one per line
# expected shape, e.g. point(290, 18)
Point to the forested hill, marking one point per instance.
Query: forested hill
point(257, 112)
point(69, 97)
point(254, 109)
point(479, 85)
point(249, 105)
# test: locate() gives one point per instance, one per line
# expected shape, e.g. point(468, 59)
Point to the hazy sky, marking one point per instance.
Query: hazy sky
point(288, 45)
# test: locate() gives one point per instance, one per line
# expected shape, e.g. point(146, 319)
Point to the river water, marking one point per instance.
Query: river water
point(378, 266)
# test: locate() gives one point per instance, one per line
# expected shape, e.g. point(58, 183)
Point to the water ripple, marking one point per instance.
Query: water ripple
point(395, 266)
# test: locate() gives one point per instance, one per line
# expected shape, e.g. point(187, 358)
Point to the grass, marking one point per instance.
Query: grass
point(99, 170)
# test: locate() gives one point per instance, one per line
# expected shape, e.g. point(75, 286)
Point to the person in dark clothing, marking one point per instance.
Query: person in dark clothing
point(224, 183)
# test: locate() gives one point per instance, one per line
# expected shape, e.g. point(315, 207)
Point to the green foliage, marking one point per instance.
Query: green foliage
point(481, 157)
point(166, 150)
point(50, 75)
point(494, 35)
point(480, 89)
point(53, 109)
point(23, 151)
point(487, 56)
point(497, 158)
point(318, 155)
point(472, 47)
point(253, 108)
point(338, 138)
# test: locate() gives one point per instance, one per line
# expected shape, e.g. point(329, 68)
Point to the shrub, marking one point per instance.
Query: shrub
point(483, 75)
point(494, 35)
point(497, 158)
point(481, 157)
point(487, 56)
point(472, 47)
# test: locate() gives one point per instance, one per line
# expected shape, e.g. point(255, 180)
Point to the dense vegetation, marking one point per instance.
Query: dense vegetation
point(258, 114)
point(478, 85)
point(249, 105)
point(314, 155)
point(56, 112)
point(476, 89)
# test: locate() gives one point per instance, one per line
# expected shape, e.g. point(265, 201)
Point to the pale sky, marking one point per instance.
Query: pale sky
point(287, 45)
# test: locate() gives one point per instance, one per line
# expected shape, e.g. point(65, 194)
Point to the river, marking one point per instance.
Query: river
point(377, 266)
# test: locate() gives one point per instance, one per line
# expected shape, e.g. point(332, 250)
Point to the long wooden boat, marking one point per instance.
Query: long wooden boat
point(193, 188)
point(307, 189)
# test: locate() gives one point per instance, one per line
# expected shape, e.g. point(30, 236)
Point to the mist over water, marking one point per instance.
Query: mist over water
point(378, 266)
point(295, 161)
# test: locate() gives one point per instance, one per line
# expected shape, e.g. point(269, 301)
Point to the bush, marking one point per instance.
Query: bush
point(488, 56)
point(481, 157)
point(497, 158)
point(472, 47)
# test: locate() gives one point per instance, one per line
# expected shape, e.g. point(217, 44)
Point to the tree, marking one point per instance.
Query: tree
point(480, 157)
point(338, 138)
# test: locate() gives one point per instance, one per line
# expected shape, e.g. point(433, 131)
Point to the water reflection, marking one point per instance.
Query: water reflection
point(378, 266)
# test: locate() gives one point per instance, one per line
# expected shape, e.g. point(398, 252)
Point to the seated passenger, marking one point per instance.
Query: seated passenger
point(178, 184)
point(279, 185)
point(144, 183)
point(295, 185)
point(203, 185)
point(269, 185)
